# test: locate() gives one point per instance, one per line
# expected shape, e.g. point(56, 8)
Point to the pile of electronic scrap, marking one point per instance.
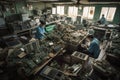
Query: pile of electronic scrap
point(113, 51)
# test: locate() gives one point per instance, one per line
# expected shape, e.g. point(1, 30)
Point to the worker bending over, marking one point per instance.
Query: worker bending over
point(40, 31)
point(93, 50)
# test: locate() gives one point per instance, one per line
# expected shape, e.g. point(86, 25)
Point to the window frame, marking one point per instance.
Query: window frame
point(54, 11)
point(86, 12)
point(60, 10)
point(73, 12)
point(108, 13)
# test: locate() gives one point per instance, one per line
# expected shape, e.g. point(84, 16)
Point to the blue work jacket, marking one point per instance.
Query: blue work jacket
point(40, 32)
point(94, 48)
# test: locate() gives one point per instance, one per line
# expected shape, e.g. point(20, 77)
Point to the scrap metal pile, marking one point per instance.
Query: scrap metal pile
point(74, 36)
point(66, 34)
point(113, 51)
point(114, 48)
point(103, 70)
point(33, 54)
point(28, 56)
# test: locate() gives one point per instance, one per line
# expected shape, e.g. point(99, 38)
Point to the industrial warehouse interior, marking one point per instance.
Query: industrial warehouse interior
point(59, 39)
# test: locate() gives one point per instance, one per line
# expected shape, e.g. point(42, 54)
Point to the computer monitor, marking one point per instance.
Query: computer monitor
point(13, 17)
point(25, 17)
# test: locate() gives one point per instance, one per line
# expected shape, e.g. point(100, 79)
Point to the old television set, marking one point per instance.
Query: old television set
point(24, 17)
point(13, 17)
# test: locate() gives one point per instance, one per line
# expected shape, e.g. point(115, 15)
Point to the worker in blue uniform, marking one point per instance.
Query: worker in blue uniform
point(102, 20)
point(93, 50)
point(40, 30)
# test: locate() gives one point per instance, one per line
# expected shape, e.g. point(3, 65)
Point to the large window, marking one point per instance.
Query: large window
point(53, 10)
point(108, 12)
point(88, 12)
point(60, 10)
point(72, 11)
